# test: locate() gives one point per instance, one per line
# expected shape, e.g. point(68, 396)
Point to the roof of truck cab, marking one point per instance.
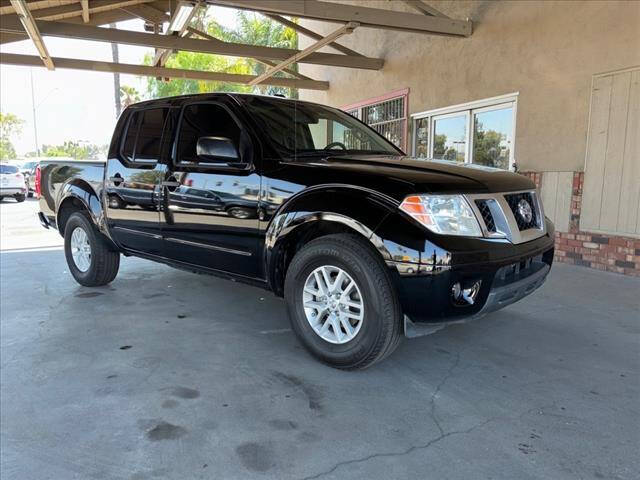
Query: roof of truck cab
point(181, 99)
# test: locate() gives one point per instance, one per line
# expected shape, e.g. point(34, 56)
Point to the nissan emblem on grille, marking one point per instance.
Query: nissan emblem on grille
point(524, 209)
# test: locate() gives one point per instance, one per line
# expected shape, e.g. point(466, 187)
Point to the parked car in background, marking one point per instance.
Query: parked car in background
point(12, 183)
point(28, 169)
point(364, 243)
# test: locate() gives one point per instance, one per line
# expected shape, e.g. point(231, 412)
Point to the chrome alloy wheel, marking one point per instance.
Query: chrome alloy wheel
point(333, 304)
point(80, 249)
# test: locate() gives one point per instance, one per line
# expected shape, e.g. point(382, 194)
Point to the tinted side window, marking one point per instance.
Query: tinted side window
point(204, 120)
point(143, 140)
point(130, 138)
point(150, 135)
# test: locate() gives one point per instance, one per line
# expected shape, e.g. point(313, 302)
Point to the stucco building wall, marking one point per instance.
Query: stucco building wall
point(547, 51)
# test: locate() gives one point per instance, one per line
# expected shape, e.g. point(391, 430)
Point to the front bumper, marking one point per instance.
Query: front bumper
point(501, 294)
point(507, 274)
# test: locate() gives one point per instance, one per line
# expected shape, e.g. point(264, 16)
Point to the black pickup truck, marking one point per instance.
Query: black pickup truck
point(365, 244)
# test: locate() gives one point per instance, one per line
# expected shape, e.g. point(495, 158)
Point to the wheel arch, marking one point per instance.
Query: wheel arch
point(318, 212)
point(79, 195)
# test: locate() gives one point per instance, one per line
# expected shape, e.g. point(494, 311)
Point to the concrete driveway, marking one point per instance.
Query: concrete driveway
point(166, 374)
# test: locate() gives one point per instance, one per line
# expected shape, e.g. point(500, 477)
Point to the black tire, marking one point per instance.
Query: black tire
point(20, 197)
point(240, 213)
point(104, 263)
point(116, 202)
point(381, 329)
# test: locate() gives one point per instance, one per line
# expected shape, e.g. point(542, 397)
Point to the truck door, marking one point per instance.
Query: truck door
point(210, 192)
point(132, 183)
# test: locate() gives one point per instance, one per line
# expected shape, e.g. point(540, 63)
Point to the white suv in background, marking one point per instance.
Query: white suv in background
point(12, 183)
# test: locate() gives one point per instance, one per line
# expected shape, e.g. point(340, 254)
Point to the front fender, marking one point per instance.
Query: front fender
point(330, 209)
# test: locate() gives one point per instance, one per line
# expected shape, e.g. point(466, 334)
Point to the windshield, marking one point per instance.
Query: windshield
point(7, 169)
point(307, 129)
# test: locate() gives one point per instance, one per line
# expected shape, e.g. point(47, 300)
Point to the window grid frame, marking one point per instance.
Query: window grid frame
point(468, 109)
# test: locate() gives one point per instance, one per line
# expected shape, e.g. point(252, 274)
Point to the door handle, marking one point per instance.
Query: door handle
point(117, 179)
point(171, 184)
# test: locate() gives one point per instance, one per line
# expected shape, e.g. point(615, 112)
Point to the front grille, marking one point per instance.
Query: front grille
point(514, 200)
point(501, 216)
point(487, 216)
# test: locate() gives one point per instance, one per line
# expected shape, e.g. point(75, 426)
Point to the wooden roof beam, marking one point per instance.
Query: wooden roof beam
point(109, 67)
point(344, 30)
point(85, 10)
point(29, 24)
point(424, 8)
point(366, 16)
point(309, 33)
point(128, 37)
point(269, 63)
point(162, 55)
point(6, 7)
point(148, 13)
point(77, 10)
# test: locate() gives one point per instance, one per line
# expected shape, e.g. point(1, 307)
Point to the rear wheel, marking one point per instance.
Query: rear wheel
point(116, 202)
point(20, 197)
point(341, 302)
point(91, 262)
point(240, 212)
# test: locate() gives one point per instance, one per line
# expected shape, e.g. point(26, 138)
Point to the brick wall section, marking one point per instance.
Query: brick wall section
point(595, 250)
point(536, 177)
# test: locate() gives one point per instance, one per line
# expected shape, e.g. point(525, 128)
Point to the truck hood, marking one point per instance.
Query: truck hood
point(398, 176)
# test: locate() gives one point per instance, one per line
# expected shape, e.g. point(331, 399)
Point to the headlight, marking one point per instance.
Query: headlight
point(444, 214)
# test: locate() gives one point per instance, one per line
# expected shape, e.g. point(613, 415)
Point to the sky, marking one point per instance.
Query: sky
point(72, 104)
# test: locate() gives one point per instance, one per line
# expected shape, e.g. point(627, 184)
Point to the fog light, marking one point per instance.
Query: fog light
point(465, 294)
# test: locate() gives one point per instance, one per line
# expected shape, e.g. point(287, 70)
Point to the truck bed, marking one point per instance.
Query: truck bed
point(54, 174)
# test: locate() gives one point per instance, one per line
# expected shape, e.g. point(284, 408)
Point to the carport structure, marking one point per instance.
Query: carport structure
point(167, 29)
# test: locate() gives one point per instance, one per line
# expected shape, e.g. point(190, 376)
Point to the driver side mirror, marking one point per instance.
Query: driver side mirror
point(217, 149)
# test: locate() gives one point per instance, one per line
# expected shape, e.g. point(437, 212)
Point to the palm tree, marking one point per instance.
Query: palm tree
point(115, 55)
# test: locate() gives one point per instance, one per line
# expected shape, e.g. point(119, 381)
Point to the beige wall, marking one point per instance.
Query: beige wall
point(547, 51)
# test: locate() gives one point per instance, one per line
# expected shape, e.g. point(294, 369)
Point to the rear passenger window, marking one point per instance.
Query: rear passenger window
point(150, 135)
point(130, 138)
point(205, 120)
point(143, 141)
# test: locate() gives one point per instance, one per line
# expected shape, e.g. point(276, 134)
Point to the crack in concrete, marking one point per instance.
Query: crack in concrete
point(434, 395)
point(432, 414)
point(401, 453)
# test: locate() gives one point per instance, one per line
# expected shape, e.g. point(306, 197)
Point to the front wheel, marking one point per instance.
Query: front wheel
point(91, 262)
point(20, 197)
point(341, 302)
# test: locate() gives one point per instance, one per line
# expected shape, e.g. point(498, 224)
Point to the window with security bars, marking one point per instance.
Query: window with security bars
point(387, 115)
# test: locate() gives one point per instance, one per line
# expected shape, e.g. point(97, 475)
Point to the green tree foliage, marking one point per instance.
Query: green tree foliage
point(10, 125)
point(487, 149)
point(439, 147)
point(75, 150)
point(251, 28)
point(194, 61)
point(128, 95)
